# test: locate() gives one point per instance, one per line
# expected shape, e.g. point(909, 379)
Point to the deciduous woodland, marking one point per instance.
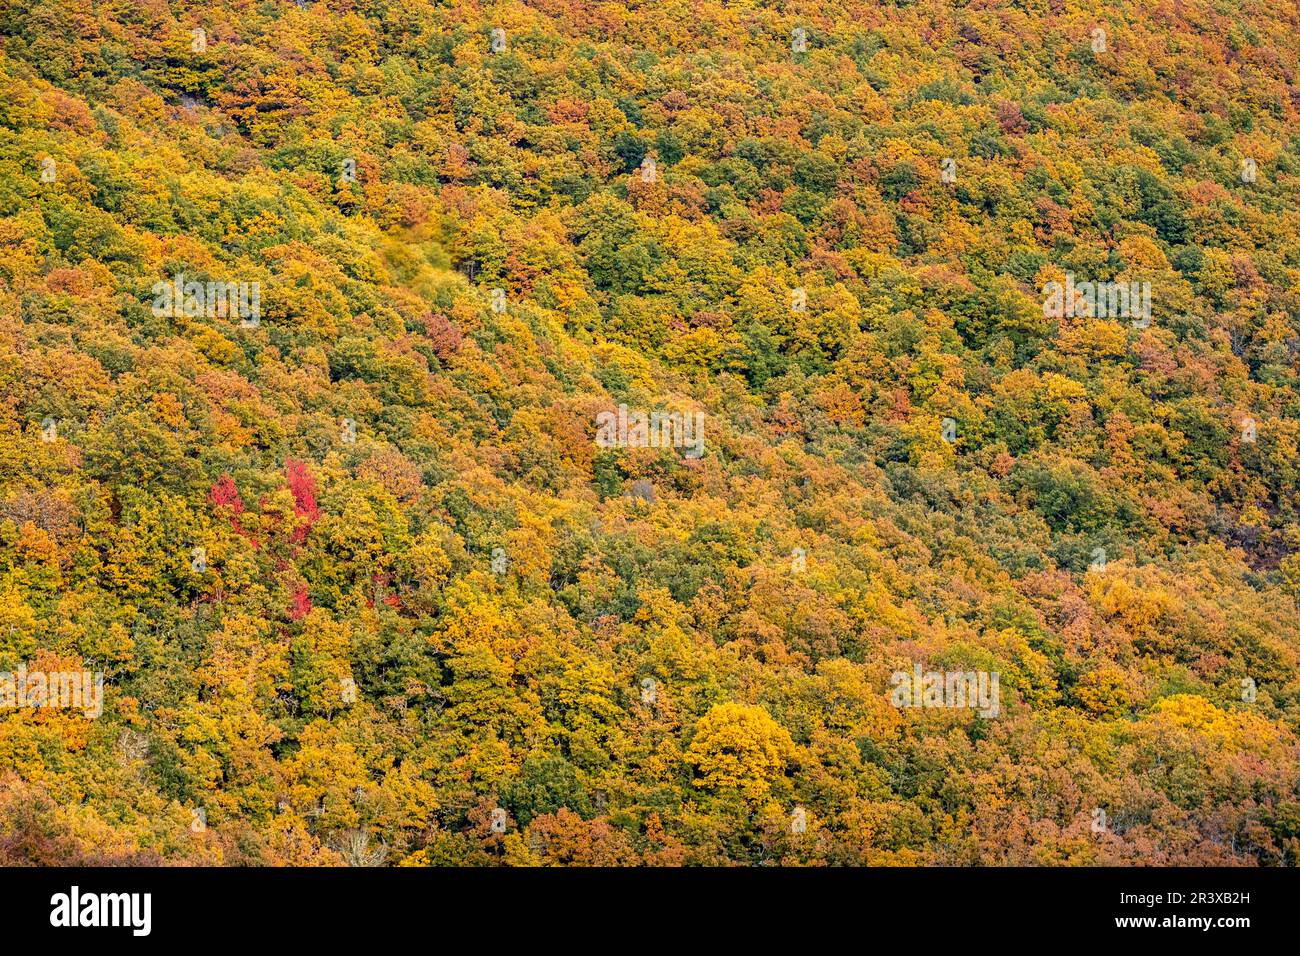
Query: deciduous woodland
point(307, 317)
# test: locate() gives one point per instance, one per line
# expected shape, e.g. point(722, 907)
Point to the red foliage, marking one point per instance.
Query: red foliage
point(303, 486)
point(301, 605)
point(1011, 119)
point(381, 588)
point(224, 494)
point(443, 334)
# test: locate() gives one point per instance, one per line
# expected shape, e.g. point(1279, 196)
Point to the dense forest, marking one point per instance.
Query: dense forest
point(309, 315)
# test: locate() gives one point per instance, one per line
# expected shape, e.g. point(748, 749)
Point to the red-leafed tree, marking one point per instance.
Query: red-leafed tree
point(303, 486)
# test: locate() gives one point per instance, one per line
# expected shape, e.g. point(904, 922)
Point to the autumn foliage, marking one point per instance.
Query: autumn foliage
point(362, 586)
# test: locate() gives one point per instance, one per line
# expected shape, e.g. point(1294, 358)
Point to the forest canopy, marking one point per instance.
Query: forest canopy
point(955, 338)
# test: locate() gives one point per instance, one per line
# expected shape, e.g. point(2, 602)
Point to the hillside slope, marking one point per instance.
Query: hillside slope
point(365, 588)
